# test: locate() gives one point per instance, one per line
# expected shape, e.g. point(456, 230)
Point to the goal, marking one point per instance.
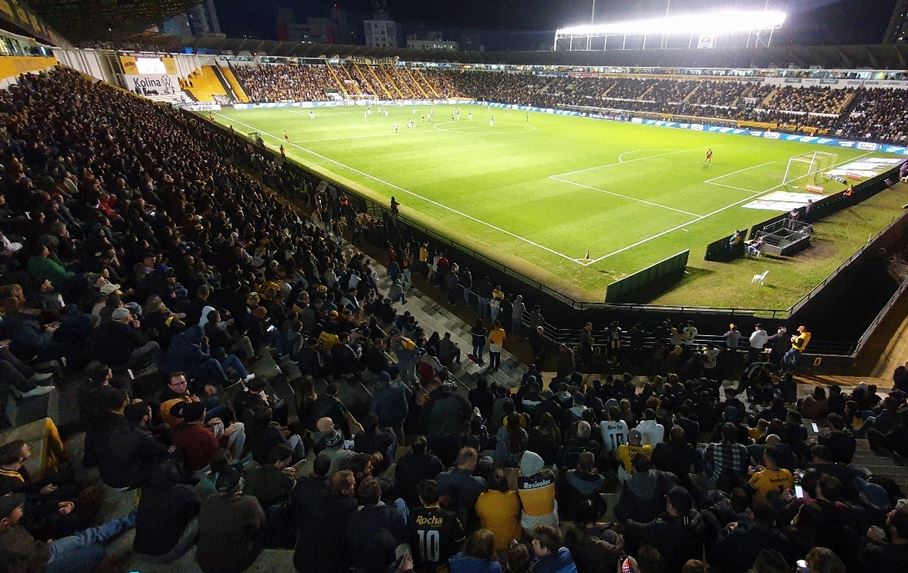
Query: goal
point(808, 169)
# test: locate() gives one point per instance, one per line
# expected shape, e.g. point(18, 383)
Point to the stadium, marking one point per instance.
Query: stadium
point(373, 287)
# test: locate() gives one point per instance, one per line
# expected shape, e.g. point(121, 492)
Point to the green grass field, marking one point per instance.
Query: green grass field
point(538, 191)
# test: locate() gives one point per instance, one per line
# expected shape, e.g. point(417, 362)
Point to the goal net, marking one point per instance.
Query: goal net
point(808, 169)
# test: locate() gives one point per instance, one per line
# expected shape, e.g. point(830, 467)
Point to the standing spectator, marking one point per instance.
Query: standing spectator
point(435, 533)
point(799, 344)
point(758, 339)
point(496, 345)
point(839, 440)
point(446, 416)
point(518, 308)
point(230, 524)
point(374, 532)
point(415, 467)
point(320, 545)
point(461, 487)
point(676, 455)
point(479, 335)
point(391, 403)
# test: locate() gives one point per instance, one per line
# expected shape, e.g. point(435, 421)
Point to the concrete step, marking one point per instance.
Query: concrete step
point(270, 560)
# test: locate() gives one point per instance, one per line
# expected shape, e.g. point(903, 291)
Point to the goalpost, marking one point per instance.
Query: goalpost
point(808, 169)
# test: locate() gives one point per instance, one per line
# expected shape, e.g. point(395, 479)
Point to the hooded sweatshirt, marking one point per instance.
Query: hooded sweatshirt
point(536, 488)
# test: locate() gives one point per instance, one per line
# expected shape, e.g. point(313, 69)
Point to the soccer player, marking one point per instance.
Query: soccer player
point(411, 124)
point(435, 533)
point(311, 114)
point(492, 121)
point(709, 157)
point(396, 128)
point(470, 116)
point(286, 137)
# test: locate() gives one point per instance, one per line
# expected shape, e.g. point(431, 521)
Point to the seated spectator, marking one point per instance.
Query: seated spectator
point(823, 465)
point(894, 442)
point(551, 555)
point(478, 555)
point(725, 462)
point(167, 519)
point(651, 432)
point(771, 481)
point(643, 494)
point(536, 489)
point(81, 552)
point(498, 510)
point(271, 484)
point(839, 440)
point(740, 542)
point(579, 484)
point(125, 453)
point(121, 343)
point(676, 455)
point(678, 534)
point(198, 440)
point(230, 526)
point(627, 452)
point(885, 549)
point(815, 406)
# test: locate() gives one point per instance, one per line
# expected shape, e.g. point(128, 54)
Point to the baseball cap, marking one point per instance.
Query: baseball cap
point(109, 288)
point(680, 499)
point(875, 494)
point(10, 502)
point(634, 435)
point(119, 313)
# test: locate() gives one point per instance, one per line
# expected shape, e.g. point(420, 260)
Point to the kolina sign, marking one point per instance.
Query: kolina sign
point(152, 84)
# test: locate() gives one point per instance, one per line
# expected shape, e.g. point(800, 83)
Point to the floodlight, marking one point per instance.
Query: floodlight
point(715, 22)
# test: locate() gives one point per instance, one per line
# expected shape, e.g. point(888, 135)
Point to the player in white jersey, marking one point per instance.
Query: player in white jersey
point(411, 124)
point(492, 121)
point(311, 114)
point(386, 113)
point(396, 127)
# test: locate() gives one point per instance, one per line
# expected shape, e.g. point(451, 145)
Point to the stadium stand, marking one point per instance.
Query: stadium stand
point(250, 389)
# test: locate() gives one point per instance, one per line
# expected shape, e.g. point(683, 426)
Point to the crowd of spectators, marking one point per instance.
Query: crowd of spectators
point(313, 82)
point(877, 113)
point(140, 237)
point(285, 82)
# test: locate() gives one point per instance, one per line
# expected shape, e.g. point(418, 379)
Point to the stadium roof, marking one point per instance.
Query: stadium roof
point(880, 57)
point(99, 20)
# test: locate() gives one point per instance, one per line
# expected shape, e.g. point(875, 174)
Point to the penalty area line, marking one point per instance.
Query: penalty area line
point(708, 215)
point(407, 191)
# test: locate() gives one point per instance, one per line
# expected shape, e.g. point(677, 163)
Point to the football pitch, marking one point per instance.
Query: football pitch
point(573, 202)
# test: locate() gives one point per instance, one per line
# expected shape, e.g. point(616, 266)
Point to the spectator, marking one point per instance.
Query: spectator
point(375, 531)
point(436, 534)
point(552, 556)
point(167, 518)
point(230, 526)
point(415, 466)
point(478, 555)
point(461, 487)
point(536, 488)
point(678, 534)
point(320, 545)
point(498, 510)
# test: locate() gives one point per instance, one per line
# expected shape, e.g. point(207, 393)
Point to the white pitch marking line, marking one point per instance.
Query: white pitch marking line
point(739, 171)
point(628, 197)
point(619, 162)
point(697, 220)
point(751, 191)
point(407, 191)
point(621, 157)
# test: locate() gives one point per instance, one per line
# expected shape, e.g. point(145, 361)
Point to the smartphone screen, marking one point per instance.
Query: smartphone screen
point(799, 491)
point(626, 566)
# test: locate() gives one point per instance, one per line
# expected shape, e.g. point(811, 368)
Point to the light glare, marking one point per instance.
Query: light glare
point(721, 22)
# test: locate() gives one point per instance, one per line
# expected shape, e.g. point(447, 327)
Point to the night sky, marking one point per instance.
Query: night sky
point(523, 24)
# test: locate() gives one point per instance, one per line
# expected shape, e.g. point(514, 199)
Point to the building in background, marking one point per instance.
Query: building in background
point(431, 40)
point(897, 32)
point(317, 30)
point(381, 31)
point(200, 20)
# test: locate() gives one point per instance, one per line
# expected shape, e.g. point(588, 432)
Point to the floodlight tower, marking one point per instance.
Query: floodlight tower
point(589, 39)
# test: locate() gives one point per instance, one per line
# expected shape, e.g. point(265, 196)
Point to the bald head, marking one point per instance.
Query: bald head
point(324, 424)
